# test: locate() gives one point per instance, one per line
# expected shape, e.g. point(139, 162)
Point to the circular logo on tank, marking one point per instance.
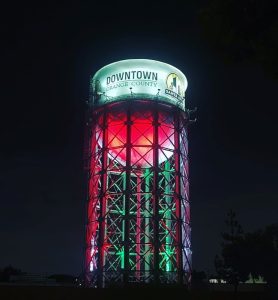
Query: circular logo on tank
point(175, 84)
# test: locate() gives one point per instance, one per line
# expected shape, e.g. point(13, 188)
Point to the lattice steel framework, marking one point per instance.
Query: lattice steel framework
point(138, 227)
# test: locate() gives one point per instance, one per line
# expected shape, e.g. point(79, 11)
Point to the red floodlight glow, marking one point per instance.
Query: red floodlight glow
point(136, 158)
point(141, 139)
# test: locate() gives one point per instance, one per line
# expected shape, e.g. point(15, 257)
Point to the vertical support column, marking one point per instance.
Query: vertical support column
point(102, 197)
point(168, 216)
point(155, 193)
point(147, 177)
point(178, 197)
point(186, 233)
point(138, 227)
point(90, 149)
point(123, 222)
point(127, 193)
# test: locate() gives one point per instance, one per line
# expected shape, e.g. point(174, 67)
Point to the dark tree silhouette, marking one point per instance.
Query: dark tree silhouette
point(267, 251)
point(7, 272)
point(231, 266)
point(243, 30)
point(245, 254)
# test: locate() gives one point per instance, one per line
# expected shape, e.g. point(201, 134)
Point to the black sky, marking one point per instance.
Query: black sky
point(48, 53)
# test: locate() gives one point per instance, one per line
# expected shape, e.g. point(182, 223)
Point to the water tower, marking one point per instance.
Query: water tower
point(138, 214)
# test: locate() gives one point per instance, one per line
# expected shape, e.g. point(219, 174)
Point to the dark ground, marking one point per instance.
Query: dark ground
point(55, 293)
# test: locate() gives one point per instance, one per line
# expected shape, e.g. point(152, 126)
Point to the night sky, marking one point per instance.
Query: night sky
point(49, 52)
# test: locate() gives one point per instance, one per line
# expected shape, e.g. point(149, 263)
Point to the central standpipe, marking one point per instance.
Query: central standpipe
point(138, 227)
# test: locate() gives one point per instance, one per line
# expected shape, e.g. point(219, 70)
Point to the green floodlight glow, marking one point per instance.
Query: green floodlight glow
point(138, 206)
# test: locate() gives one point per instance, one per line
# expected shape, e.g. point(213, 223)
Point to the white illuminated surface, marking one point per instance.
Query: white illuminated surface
point(142, 78)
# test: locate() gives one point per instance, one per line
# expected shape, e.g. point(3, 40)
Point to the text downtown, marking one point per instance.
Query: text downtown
point(132, 75)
